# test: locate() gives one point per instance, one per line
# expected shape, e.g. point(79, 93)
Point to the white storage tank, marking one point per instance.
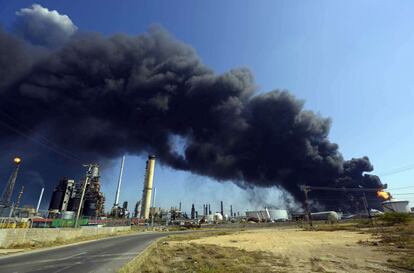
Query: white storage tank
point(210, 218)
point(257, 214)
point(278, 214)
point(395, 206)
point(326, 216)
point(218, 216)
point(68, 215)
point(268, 214)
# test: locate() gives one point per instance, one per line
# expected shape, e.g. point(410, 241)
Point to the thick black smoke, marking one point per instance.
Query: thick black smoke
point(101, 97)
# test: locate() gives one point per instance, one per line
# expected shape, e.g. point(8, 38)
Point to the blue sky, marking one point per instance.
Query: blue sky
point(349, 60)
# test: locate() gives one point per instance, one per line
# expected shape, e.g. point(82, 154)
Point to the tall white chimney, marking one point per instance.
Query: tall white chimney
point(118, 189)
point(146, 195)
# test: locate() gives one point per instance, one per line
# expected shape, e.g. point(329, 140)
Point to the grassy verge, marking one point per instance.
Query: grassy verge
point(169, 255)
point(60, 241)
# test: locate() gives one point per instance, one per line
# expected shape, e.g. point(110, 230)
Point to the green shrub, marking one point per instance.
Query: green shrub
point(393, 218)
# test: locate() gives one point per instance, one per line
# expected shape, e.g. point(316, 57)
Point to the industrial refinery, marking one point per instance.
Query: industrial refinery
point(81, 203)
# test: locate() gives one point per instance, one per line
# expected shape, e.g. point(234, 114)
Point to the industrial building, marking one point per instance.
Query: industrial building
point(62, 194)
point(68, 194)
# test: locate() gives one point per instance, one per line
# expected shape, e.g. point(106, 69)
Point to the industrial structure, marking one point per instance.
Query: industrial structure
point(393, 205)
point(6, 205)
point(85, 196)
point(147, 192)
point(117, 211)
point(268, 215)
point(61, 195)
point(80, 203)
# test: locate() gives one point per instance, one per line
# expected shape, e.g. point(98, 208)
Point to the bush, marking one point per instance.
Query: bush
point(393, 218)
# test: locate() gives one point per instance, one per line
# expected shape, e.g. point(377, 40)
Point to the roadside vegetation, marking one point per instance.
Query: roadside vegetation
point(168, 255)
point(35, 244)
point(394, 233)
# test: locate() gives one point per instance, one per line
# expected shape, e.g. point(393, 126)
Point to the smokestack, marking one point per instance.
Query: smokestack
point(118, 189)
point(231, 210)
point(204, 209)
point(40, 200)
point(221, 208)
point(209, 210)
point(146, 196)
point(180, 207)
point(192, 211)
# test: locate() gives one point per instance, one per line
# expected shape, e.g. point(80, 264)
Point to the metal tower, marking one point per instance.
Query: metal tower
point(8, 190)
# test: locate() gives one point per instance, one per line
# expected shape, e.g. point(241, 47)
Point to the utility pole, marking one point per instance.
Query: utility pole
point(19, 197)
point(305, 190)
point(364, 200)
point(88, 175)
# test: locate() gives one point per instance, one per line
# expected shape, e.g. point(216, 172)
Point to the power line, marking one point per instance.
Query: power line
point(38, 135)
point(310, 188)
point(17, 131)
point(397, 170)
point(401, 188)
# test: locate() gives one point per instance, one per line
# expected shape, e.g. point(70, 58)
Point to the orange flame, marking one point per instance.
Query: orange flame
point(383, 194)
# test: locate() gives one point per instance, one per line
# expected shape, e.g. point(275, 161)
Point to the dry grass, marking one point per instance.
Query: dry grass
point(398, 239)
point(392, 237)
point(354, 246)
point(170, 255)
point(264, 250)
point(207, 258)
point(60, 241)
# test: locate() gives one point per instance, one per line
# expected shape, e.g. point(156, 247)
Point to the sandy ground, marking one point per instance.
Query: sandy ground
point(310, 251)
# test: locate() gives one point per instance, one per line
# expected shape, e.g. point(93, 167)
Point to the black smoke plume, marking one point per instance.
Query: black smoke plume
point(100, 97)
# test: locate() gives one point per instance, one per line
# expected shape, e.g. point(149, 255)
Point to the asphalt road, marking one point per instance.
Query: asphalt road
point(106, 255)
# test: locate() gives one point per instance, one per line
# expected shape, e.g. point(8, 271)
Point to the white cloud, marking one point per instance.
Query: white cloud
point(42, 26)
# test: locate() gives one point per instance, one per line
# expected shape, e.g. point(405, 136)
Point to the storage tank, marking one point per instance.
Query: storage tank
point(331, 216)
point(218, 216)
point(68, 215)
point(278, 214)
point(395, 206)
point(209, 218)
point(89, 208)
point(268, 214)
point(57, 199)
point(257, 214)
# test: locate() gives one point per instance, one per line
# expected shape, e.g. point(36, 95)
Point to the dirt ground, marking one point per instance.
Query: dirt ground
point(308, 251)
